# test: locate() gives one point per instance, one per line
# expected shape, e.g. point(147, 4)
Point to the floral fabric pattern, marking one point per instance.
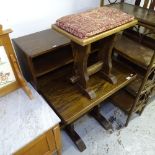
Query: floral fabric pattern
point(92, 22)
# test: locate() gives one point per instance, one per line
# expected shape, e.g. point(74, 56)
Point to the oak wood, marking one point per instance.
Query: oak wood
point(68, 102)
point(80, 54)
point(138, 102)
point(81, 50)
point(41, 53)
point(53, 61)
point(75, 137)
point(47, 143)
point(105, 55)
point(9, 88)
point(57, 137)
point(100, 118)
point(140, 46)
point(82, 73)
point(41, 42)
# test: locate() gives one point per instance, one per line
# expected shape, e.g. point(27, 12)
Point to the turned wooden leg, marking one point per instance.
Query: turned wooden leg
point(75, 137)
point(80, 54)
point(100, 118)
point(105, 55)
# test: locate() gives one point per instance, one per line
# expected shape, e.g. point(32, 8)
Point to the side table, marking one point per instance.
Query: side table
point(28, 128)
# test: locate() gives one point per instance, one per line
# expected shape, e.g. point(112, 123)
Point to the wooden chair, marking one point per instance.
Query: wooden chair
point(135, 47)
point(136, 102)
point(150, 4)
point(147, 3)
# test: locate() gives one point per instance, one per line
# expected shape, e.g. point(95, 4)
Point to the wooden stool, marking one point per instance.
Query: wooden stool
point(81, 50)
point(82, 73)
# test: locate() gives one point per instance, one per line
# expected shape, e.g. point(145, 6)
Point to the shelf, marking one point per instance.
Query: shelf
point(52, 60)
point(66, 98)
point(134, 51)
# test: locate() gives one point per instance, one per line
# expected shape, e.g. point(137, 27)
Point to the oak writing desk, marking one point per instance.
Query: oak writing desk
point(53, 58)
point(70, 104)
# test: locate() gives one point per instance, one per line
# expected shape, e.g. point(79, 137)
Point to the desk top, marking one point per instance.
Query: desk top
point(143, 15)
point(69, 102)
point(22, 120)
point(97, 37)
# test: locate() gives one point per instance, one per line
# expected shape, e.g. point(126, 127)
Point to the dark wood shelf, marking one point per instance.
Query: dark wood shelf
point(42, 52)
point(52, 60)
point(68, 101)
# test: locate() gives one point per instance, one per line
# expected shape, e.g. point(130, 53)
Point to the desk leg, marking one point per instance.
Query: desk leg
point(100, 118)
point(80, 54)
point(75, 137)
point(105, 55)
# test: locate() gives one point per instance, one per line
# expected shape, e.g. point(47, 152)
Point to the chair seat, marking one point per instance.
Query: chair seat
point(92, 22)
point(134, 51)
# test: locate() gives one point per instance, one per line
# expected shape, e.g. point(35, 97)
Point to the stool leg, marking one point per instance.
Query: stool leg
point(80, 54)
point(105, 55)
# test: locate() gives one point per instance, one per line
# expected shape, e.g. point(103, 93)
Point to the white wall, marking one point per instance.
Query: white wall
point(29, 16)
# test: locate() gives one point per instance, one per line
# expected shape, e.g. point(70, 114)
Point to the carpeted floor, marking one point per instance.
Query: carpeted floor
point(136, 139)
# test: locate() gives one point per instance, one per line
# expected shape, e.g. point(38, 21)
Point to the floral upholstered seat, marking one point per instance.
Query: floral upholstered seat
point(92, 22)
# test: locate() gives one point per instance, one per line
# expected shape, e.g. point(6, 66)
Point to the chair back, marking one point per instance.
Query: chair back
point(147, 86)
point(150, 4)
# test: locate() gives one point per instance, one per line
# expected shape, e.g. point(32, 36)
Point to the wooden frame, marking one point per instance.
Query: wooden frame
point(20, 82)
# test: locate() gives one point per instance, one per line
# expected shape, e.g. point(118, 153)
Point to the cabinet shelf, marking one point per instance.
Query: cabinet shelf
point(52, 60)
